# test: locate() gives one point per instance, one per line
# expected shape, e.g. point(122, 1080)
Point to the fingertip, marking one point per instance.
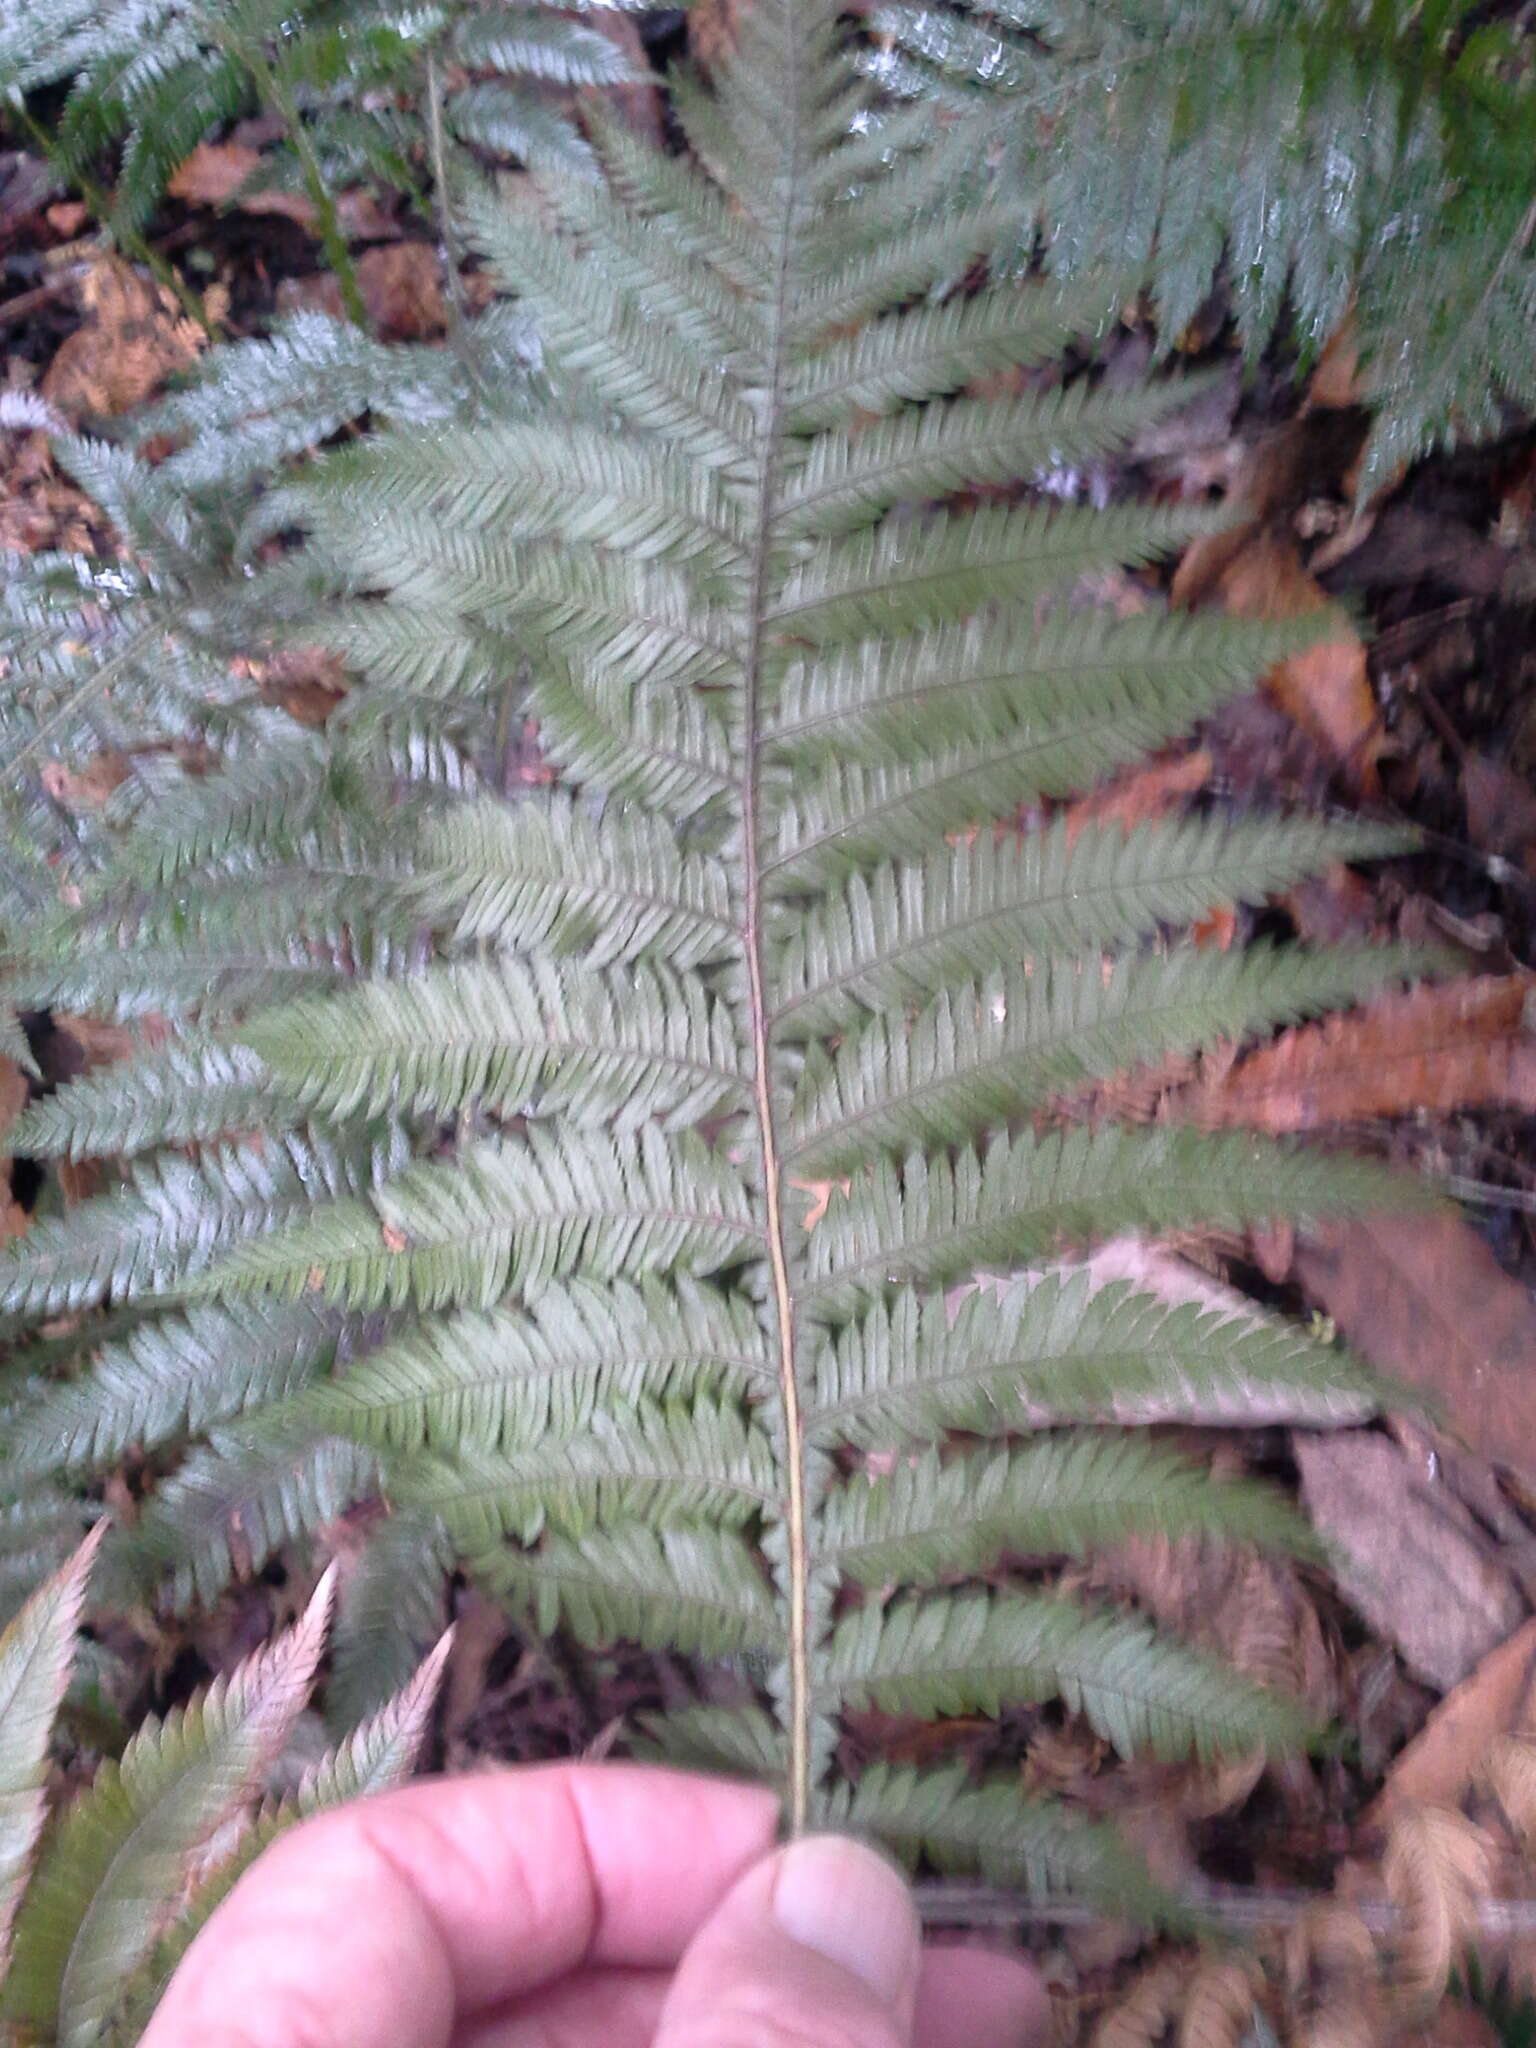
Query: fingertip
point(980, 1998)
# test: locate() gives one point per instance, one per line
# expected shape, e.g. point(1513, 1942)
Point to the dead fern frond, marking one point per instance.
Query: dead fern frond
point(1437, 1868)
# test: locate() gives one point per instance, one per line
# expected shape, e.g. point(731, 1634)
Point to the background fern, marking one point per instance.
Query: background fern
point(472, 1173)
point(1330, 153)
point(99, 1900)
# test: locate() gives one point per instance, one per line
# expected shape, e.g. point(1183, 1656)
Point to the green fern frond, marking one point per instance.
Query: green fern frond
point(944, 1818)
point(992, 1051)
point(174, 1376)
point(35, 1655)
point(697, 1590)
point(493, 1378)
point(83, 1928)
point(932, 1219)
point(1069, 1493)
point(729, 1032)
point(624, 1049)
point(976, 1652)
point(1059, 1349)
point(231, 1505)
point(610, 888)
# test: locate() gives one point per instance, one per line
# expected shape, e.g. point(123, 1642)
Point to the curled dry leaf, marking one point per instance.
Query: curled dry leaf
point(1143, 2015)
point(1463, 1045)
point(1438, 1867)
point(1509, 1772)
point(1219, 2003)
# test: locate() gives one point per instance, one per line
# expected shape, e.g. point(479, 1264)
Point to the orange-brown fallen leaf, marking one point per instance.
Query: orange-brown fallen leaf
point(216, 172)
point(1424, 1299)
point(1439, 1762)
point(1141, 793)
point(1458, 1045)
point(132, 338)
point(1258, 574)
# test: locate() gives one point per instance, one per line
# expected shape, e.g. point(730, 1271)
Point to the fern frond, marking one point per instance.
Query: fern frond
point(494, 1378)
point(631, 1464)
point(35, 1655)
point(1061, 1493)
point(994, 1050)
point(127, 1844)
point(173, 1376)
point(1058, 1349)
point(172, 1217)
point(697, 1590)
point(509, 1215)
point(905, 930)
point(610, 888)
point(931, 1219)
point(231, 1505)
point(555, 1038)
point(390, 1605)
point(674, 845)
point(941, 1816)
point(975, 1652)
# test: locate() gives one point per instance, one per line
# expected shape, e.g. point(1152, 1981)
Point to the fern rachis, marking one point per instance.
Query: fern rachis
point(574, 1318)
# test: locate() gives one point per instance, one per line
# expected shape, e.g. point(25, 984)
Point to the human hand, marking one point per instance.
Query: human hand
point(580, 1906)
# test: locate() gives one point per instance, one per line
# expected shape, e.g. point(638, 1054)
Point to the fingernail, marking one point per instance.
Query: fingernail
point(848, 1904)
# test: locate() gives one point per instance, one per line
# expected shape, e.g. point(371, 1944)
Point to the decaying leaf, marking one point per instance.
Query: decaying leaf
point(1218, 2005)
point(1438, 1866)
point(1470, 1721)
point(1407, 1554)
point(1423, 1298)
point(1333, 1978)
point(1143, 2014)
point(1460, 1045)
point(133, 337)
point(1509, 1771)
point(1257, 573)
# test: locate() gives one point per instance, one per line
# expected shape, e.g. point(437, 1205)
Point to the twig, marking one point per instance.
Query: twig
point(99, 200)
point(332, 239)
point(38, 295)
point(458, 310)
point(943, 1903)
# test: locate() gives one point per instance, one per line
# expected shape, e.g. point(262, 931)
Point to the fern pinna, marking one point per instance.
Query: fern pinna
point(624, 1128)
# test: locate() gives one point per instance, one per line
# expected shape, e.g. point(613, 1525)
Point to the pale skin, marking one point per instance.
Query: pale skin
point(580, 1906)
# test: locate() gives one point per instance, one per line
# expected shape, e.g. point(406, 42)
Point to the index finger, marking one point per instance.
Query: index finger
point(385, 1920)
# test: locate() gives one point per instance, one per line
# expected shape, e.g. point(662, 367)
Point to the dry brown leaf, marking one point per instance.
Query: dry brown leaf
point(1509, 1772)
point(1438, 1867)
point(133, 337)
point(1423, 1298)
point(820, 1192)
point(1219, 2004)
point(1333, 1978)
point(1336, 380)
point(216, 171)
point(401, 289)
point(1143, 2015)
point(1458, 1045)
point(14, 1091)
point(1501, 809)
point(1438, 1764)
point(1451, 2025)
point(1407, 1554)
point(1141, 794)
point(1326, 689)
point(87, 788)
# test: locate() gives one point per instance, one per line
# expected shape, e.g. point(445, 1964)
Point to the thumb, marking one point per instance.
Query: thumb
point(815, 1947)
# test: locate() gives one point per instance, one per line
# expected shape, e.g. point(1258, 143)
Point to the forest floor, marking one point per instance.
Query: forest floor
point(1421, 1641)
